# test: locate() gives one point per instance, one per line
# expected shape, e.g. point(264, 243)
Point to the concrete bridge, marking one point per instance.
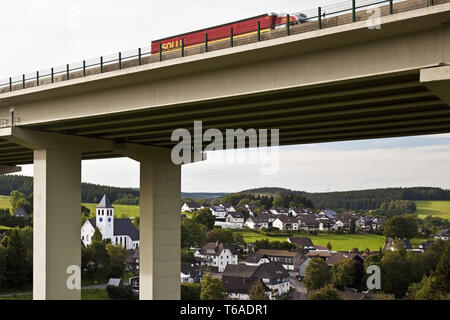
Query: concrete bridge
point(343, 82)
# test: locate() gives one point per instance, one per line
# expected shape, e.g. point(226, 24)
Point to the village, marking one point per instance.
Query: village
point(242, 268)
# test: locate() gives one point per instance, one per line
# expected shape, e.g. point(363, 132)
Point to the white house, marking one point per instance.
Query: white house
point(229, 207)
point(283, 222)
point(277, 210)
point(219, 212)
point(215, 254)
point(262, 220)
point(120, 231)
point(236, 218)
point(190, 206)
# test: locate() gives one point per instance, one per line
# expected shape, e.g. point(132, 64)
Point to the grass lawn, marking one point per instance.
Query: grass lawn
point(4, 203)
point(86, 294)
point(339, 242)
point(439, 209)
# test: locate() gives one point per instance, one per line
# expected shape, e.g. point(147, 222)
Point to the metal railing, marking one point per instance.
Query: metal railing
point(101, 64)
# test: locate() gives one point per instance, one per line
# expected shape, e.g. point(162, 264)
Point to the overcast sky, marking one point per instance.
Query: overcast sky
point(40, 34)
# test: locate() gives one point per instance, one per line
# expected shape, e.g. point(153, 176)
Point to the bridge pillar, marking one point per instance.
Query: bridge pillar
point(56, 212)
point(56, 223)
point(160, 223)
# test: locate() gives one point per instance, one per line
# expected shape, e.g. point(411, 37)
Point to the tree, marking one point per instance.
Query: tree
point(326, 293)
point(317, 274)
point(137, 222)
point(395, 273)
point(402, 227)
point(190, 291)
point(443, 271)
point(343, 273)
point(117, 260)
point(16, 265)
point(211, 288)
point(352, 226)
point(192, 234)
point(205, 217)
point(257, 291)
point(95, 259)
point(97, 236)
point(221, 235)
point(329, 246)
point(427, 289)
point(18, 200)
point(85, 211)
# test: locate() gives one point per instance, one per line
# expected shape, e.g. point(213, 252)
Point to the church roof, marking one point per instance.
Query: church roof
point(105, 203)
point(122, 227)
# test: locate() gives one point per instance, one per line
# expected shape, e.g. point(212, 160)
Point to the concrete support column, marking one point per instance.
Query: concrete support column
point(160, 231)
point(56, 218)
point(160, 224)
point(56, 214)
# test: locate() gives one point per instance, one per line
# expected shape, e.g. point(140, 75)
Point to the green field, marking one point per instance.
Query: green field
point(339, 242)
point(435, 208)
point(120, 211)
point(4, 202)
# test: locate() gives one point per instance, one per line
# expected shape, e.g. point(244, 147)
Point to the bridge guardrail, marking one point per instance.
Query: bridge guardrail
point(320, 18)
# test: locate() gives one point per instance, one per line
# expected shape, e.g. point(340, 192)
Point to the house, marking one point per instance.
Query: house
point(251, 209)
point(238, 279)
point(219, 212)
point(296, 211)
point(330, 214)
point(323, 254)
point(308, 222)
point(337, 257)
point(20, 212)
point(216, 255)
point(304, 243)
point(341, 222)
point(325, 223)
point(395, 244)
point(236, 218)
point(190, 273)
point(290, 260)
point(120, 231)
point(190, 206)
point(443, 235)
point(278, 210)
point(377, 223)
point(364, 223)
point(283, 222)
point(229, 207)
point(262, 220)
point(425, 245)
point(132, 260)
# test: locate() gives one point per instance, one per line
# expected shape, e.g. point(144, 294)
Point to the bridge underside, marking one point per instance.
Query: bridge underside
point(394, 106)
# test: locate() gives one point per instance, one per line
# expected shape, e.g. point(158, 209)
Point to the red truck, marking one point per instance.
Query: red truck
point(222, 32)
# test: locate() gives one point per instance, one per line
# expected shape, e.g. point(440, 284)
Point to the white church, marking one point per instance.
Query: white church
point(120, 231)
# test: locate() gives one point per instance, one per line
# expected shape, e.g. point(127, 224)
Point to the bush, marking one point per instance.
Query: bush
point(190, 291)
point(121, 293)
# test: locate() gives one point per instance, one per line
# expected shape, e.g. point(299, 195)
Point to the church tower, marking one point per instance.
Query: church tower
point(105, 218)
